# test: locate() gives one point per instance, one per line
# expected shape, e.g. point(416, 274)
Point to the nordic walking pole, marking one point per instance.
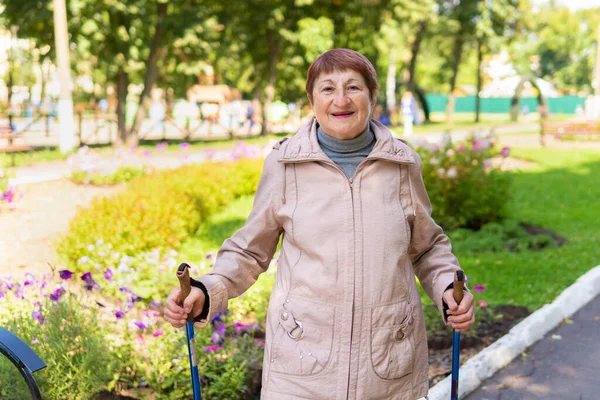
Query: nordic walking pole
point(183, 274)
point(458, 288)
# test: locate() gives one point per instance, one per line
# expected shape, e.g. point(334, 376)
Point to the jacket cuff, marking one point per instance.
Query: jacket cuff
point(204, 313)
point(217, 293)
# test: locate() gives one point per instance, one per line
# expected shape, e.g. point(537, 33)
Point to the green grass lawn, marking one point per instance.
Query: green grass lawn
point(562, 194)
point(34, 156)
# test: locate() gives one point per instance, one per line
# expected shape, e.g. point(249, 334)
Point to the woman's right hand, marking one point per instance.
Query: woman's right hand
point(177, 315)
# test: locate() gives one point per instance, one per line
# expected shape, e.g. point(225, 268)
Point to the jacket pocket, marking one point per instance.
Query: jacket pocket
point(392, 340)
point(304, 338)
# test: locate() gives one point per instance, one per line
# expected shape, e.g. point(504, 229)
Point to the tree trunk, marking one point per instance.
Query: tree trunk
point(390, 89)
point(150, 76)
point(415, 48)
point(458, 50)
point(414, 53)
point(122, 86)
point(420, 94)
point(477, 98)
point(275, 47)
point(44, 80)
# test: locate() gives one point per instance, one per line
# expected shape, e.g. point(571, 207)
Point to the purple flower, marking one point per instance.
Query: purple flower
point(140, 324)
point(29, 280)
point(220, 329)
point(131, 297)
point(218, 317)
point(19, 292)
point(108, 274)
point(211, 348)
point(119, 314)
point(143, 384)
point(479, 288)
point(239, 327)
point(154, 303)
point(147, 152)
point(216, 339)
point(65, 274)
point(57, 294)
point(184, 146)
point(1, 294)
point(10, 286)
point(87, 278)
point(209, 256)
point(37, 315)
point(158, 332)
point(505, 152)
point(90, 283)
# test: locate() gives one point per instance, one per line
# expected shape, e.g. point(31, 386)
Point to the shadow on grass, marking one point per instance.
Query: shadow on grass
point(214, 233)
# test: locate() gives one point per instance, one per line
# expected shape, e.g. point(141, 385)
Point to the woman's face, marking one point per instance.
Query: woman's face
point(341, 102)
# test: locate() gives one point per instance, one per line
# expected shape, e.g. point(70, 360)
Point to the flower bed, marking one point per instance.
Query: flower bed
point(93, 340)
point(466, 189)
point(88, 166)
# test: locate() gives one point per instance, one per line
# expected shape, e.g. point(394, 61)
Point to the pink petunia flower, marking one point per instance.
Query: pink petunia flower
point(479, 288)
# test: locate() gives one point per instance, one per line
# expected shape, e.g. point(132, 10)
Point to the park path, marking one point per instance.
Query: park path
point(43, 212)
point(561, 366)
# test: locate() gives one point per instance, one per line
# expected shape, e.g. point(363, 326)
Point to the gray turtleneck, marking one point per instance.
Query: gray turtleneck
point(348, 153)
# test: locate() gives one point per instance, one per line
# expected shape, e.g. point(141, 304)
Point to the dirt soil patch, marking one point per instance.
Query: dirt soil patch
point(487, 331)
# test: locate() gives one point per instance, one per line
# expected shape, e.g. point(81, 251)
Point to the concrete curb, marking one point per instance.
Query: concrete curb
point(521, 336)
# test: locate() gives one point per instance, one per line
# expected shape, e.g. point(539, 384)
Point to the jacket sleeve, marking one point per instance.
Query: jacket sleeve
point(248, 253)
point(430, 250)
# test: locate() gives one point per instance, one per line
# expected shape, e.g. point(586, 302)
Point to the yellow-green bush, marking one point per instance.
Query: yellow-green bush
point(159, 210)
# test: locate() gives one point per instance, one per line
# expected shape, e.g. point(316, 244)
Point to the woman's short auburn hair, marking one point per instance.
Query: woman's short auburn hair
point(341, 60)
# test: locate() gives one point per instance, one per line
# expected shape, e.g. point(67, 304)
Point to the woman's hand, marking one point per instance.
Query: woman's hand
point(462, 316)
point(177, 315)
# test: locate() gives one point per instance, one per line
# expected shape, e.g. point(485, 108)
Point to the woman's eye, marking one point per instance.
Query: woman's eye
point(354, 88)
point(328, 89)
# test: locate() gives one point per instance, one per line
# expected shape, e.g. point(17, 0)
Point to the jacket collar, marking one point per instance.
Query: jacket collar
point(304, 146)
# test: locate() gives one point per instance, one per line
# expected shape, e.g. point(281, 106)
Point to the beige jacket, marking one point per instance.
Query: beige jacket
point(345, 318)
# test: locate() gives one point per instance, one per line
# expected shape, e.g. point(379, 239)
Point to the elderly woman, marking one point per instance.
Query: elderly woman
point(345, 319)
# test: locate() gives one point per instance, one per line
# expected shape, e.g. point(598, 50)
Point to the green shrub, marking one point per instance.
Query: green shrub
point(465, 188)
point(159, 210)
point(120, 175)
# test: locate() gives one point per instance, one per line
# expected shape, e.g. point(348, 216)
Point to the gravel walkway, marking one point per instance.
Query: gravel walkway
point(40, 216)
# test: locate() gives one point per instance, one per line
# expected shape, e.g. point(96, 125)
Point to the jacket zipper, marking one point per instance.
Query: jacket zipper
point(351, 185)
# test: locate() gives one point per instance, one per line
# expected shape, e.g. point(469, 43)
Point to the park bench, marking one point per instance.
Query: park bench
point(6, 143)
point(561, 129)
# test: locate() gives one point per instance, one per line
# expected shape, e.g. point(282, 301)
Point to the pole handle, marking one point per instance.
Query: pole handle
point(458, 287)
point(183, 274)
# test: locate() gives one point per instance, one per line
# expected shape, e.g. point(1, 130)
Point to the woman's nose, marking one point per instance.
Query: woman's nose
point(341, 99)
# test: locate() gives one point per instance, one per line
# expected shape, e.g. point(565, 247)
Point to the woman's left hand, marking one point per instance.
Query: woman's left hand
point(462, 316)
